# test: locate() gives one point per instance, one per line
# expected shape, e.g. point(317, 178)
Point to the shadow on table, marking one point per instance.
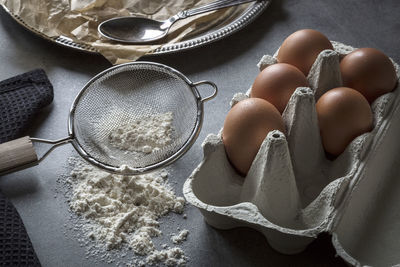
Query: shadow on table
point(20, 186)
point(250, 248)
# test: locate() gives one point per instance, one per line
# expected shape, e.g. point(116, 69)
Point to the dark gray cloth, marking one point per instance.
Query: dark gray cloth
point(15, 246)
point(21, 97)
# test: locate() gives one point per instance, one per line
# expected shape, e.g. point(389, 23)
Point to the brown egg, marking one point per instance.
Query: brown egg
point(276, 83)
point(245, 128)
point(302, 48)
point(369, 71)
point(343, 114)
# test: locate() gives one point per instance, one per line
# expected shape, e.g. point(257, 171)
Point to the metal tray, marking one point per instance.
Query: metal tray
point(217, 32)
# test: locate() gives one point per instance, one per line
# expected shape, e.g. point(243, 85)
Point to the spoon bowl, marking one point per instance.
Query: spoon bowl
point(133, 29)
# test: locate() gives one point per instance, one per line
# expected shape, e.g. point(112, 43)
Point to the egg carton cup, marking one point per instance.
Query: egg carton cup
point(293, 192)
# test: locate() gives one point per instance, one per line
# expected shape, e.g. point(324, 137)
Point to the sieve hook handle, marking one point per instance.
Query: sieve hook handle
point(213, 85)
point(19, 154)
point(55, 143)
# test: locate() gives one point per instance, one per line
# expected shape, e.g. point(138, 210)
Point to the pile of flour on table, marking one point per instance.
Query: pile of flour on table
point(121, 210)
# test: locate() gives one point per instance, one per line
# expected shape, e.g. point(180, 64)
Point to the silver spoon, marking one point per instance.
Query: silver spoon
point(136, 30)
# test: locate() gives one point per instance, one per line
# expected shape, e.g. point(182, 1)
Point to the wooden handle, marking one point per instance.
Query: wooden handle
point(17, 154)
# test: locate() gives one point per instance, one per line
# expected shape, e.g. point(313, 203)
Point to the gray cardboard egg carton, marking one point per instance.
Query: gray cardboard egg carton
point(292, 192)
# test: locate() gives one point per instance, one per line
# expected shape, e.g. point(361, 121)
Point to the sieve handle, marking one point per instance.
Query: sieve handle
point(20, 154)
point(213, 85)
point(17, 154)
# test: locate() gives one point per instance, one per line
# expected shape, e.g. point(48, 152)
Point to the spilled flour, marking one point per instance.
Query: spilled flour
point(180, 237)
point(124, 210)
point(148, 134)
point(170, 257)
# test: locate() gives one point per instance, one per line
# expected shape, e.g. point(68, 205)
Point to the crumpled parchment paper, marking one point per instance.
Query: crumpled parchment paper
point(78, 20)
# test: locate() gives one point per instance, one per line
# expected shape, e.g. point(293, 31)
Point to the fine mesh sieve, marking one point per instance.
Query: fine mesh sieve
point(122, 95)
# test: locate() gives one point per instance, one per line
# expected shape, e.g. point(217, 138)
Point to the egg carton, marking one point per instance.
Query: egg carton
point(293, 192)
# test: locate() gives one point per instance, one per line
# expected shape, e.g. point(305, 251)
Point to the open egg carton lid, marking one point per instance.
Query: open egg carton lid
point(292, 192)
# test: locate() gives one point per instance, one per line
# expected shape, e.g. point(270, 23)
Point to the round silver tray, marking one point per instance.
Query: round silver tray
point(216, 33)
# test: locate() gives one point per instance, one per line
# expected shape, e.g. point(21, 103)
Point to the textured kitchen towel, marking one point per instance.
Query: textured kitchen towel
point(15, 246)
point(21, 97)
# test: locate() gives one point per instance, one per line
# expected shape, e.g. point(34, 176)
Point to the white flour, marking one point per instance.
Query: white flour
point(170, 257)
point(180, 237)
point(124, 210)
point(147, 134)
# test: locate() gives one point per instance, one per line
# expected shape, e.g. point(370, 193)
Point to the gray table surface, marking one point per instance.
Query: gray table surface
point(231, 64)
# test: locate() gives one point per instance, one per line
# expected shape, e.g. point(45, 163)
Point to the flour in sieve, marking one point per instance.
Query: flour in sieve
point(124, 210)
point(147, 134)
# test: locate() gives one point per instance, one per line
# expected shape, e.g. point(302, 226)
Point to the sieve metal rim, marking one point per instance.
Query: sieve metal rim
point(189, 142)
